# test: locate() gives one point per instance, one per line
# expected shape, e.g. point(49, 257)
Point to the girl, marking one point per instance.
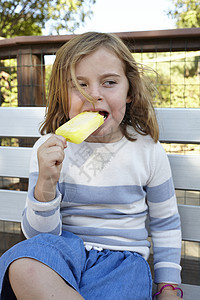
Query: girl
point(87, 204)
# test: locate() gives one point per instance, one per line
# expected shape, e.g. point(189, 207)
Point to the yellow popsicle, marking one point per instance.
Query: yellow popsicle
point(81, 126)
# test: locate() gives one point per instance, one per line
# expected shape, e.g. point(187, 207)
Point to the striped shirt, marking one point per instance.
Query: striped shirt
point(105, 194)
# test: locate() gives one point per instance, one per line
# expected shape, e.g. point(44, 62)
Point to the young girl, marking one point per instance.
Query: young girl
point(87, 204)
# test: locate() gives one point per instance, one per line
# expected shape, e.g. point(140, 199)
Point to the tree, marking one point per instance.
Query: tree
point(186, 13)
point(22, 17)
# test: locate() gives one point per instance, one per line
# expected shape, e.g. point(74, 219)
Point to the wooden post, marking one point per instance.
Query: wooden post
point(31, 79)
point(31, 88)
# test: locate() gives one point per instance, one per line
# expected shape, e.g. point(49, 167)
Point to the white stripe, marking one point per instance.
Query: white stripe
point(164, 209)
point(129, 209)
point(101, 173)
point(170, 238)
point(43, 224)
point(167, 265)
point(120, 239)
point(123, 223)
point(144, 251)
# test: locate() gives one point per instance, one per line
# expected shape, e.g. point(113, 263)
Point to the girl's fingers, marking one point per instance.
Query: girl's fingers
point(51, 152)
point(56, 140)
point(55, 154)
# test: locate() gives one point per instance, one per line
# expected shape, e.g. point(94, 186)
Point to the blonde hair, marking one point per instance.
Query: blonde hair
point(139, 113)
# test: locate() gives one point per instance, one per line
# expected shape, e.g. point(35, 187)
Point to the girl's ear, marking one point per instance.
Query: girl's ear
point(128, 99)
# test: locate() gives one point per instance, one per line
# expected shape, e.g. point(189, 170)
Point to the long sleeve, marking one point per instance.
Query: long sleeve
point(164, 221)
point(39, 217)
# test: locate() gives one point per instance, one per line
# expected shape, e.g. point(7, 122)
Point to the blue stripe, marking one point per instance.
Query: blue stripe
point(32, 182)
point(160, 193)
point(100, 213)
point(160, 224)
point(164, 254)
point(33, 179)
point(163, 275)
point(30, 231)
point(101, 194)
point(47, 214)
point(139, 234)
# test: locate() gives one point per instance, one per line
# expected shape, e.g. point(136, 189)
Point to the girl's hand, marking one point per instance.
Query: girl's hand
point(50, 158)
point(168, 296)
point(168, 293)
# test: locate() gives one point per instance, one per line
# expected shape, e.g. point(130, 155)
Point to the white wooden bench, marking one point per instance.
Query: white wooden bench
point(176, 126)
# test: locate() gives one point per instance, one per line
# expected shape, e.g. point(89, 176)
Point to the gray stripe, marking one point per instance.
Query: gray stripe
point(100, 213)
point(47, 214)
point(163, 275)
point(160, 193)
point(101, 194)
point(173, 255)
point(30, 231)
point(160, 224)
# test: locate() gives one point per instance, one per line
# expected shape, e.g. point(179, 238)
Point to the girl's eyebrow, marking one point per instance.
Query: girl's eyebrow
point(110, 74)
point(80, 77)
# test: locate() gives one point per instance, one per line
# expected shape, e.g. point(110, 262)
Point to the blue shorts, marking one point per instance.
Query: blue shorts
point(99, 275)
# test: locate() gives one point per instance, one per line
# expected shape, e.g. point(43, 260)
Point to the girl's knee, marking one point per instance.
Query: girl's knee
point(22, 269)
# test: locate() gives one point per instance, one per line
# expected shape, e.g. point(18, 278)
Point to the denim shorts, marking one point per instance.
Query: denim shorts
point(99, 275)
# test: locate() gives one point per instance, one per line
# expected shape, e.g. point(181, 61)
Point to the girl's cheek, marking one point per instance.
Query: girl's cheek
point(118, 114)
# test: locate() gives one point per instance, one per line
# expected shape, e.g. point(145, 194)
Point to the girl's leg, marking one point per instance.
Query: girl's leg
point(31, 279)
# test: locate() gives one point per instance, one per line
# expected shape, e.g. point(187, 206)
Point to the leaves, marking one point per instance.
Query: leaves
point(8, 83)
point(186, 13)
point(21, 17)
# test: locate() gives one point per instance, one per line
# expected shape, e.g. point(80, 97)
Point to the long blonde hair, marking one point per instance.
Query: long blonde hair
point(139, 113)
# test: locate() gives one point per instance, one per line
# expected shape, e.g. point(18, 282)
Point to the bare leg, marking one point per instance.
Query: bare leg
point(30, 280)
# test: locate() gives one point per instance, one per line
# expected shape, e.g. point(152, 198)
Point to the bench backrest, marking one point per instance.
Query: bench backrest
point(176, 126)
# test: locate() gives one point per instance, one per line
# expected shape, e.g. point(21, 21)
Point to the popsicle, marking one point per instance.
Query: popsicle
point(81, 126)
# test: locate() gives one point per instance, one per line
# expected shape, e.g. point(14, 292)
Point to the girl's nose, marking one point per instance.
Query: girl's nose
point(96, 94)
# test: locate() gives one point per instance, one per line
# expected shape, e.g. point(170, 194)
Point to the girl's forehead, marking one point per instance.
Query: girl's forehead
point(100, 60)
point(100, 54)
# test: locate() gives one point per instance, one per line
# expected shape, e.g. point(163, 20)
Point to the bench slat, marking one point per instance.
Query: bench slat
point(15, 199)
point(176, 125)
point(185, 171)
point(190, 222)
point(179, 125)
point(21, 121)
point(190, 291)
point(12, 204)
point(14, 161)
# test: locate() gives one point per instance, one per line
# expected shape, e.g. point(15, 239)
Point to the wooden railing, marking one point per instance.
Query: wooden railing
point(30, 50)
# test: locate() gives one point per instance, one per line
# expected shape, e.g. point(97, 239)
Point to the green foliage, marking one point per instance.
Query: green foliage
point(8, 82)
point(186, 13)
point(173, 74)
point(186, 91)
point(21, 17)
point(48, 69)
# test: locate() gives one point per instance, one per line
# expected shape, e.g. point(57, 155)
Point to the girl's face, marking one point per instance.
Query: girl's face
point(101, 74)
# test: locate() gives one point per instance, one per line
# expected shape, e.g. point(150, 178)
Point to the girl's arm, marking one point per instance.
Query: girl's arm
point(42, 211)
point(50, 157)
point(164, 223)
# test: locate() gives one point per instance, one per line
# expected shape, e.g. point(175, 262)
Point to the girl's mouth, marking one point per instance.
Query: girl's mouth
point(104, 113)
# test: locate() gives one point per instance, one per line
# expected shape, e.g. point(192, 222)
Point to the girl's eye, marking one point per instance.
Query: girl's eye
point(109, 82)
point(83, 85)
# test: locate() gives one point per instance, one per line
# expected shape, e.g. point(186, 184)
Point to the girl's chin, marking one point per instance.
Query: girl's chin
point(102, 136)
